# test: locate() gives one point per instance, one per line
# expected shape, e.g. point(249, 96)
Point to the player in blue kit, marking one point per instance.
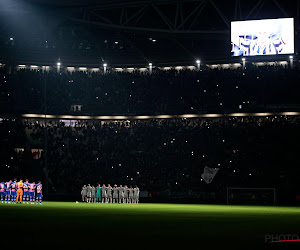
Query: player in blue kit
point(2, 190)
point(26, 191)
point(13, 191)
point(7, 191)
point(39, 193)
point(32, 192)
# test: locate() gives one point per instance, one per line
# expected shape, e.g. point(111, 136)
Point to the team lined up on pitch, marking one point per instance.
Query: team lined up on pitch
point(16, 192)
point(103, 194)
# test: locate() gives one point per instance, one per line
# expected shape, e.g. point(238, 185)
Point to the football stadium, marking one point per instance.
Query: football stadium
point(150, 124)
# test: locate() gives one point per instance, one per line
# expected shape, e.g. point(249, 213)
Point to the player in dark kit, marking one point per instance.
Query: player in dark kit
point(130, 195)
point(104, 197)
point(136, 194)
point(83, 193)
point(88, 193)
point(126, 191)
point(115, 194)
point(93, 194)
point(109, 193)
point(121, 194)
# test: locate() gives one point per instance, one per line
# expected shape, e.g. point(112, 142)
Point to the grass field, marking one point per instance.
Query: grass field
point(145, 226)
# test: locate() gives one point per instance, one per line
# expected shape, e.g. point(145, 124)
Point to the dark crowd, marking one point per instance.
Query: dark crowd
point(158, 155)
point(155, 154)
point(254, 89)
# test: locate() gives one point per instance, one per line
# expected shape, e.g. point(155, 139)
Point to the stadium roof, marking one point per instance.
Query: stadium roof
point(124, 32)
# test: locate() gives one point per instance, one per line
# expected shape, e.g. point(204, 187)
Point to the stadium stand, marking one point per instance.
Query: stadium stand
point(255, 89)
point(160, 155)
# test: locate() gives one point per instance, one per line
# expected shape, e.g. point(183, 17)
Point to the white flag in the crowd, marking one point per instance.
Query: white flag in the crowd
point(209, 174)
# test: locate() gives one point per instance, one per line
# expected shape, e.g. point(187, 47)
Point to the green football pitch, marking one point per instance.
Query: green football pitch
point(144, 226)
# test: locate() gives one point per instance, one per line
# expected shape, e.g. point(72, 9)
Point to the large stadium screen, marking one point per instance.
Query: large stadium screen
point(262, 37)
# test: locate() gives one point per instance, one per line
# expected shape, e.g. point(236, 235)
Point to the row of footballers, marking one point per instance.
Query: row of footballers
point(18, 192)
point(109, 194)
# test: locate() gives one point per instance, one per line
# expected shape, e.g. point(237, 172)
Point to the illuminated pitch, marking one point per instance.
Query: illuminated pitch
point(72, 225)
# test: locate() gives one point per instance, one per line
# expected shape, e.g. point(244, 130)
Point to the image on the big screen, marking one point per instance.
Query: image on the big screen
point(262, 37)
